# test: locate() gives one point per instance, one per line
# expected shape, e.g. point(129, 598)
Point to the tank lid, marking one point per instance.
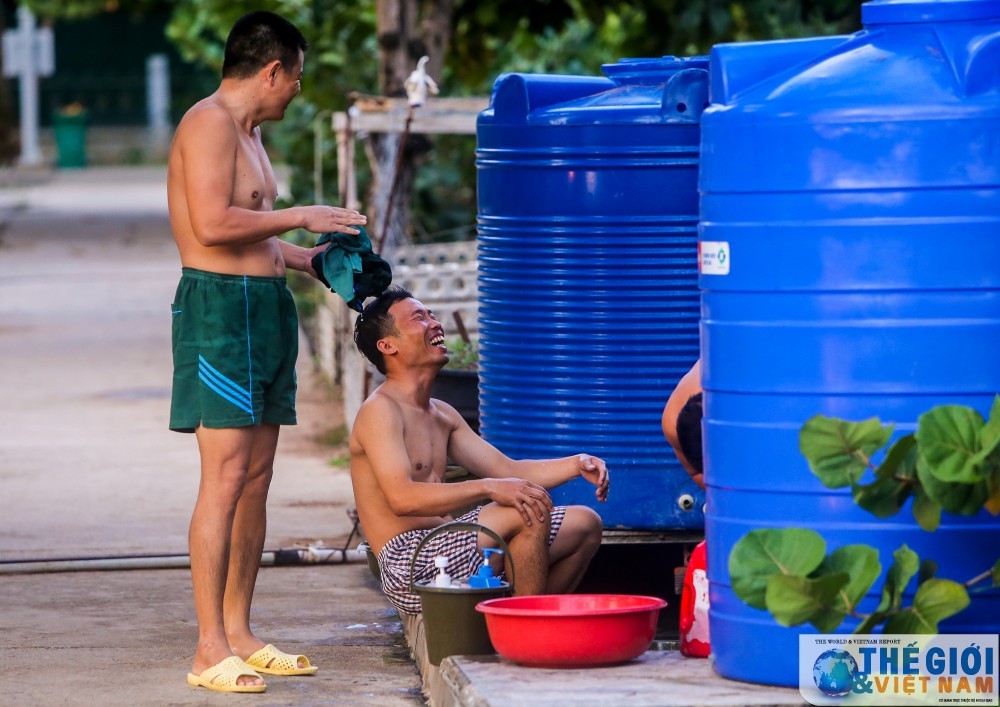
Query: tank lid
point(651, 71)
point(890, 12)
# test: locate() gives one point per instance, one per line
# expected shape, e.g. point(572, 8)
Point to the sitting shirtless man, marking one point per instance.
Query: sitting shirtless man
point(400, 444)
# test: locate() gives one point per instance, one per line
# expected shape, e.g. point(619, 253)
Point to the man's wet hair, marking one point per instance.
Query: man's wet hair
point(689, 431)
point(376, 323)
point(257, 39)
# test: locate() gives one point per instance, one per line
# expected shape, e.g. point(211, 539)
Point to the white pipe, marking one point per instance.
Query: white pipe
point(311, 555)
point(94, 565)
point(326, 555)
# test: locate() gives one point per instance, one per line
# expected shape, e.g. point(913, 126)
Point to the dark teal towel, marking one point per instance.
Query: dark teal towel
point(350, 268)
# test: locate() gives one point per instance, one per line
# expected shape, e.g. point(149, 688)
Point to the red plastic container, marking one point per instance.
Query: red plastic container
point(571, 630)
point(695, 641)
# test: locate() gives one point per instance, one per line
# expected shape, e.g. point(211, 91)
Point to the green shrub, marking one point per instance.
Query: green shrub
point(951, 462)
point(462, 355)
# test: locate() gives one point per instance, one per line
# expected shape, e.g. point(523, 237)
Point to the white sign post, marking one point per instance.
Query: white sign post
point(28, 53)
point(158, 94)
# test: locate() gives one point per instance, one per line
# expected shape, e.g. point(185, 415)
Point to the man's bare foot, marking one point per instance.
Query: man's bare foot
point(207, 657)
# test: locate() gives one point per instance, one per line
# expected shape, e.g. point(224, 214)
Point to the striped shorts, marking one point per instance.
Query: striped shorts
point(460, 547)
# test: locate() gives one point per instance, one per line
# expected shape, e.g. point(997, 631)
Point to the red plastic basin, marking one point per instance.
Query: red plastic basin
point(571, 630)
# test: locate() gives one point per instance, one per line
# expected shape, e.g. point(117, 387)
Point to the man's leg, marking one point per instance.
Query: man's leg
point(225, 460)
point(529, 546)
point(249, 530)
point(574, 547)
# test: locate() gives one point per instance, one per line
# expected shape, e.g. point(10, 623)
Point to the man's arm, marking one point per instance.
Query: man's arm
point(479, 457)
point(209, 145)
point(298, 258)
point(688, 385)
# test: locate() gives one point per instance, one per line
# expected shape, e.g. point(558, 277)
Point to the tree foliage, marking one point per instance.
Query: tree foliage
point(341, 41)
point(577, 36)
point(78, 9)
point(488, 38)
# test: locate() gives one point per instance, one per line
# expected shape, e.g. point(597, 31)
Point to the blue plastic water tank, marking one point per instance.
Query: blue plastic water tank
point(850, 235)
point(588, 279)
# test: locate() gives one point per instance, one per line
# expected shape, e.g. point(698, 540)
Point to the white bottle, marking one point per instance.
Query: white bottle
point(442, 579)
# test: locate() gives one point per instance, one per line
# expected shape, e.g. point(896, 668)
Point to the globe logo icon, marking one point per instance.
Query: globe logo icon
point(834, 671)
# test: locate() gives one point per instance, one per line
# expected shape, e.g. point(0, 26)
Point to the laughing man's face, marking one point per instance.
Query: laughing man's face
point(420, 335)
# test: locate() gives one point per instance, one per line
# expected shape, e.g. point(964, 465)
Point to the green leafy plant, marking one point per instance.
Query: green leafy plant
point(951, 462)
point(463, 355)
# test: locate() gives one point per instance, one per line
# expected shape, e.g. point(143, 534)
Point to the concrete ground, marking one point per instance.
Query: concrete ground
point(88, 468)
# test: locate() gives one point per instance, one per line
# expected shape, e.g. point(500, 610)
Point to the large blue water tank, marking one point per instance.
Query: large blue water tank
point(850, 237)
point(588, 279)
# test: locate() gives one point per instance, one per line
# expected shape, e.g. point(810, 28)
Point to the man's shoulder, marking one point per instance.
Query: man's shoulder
point(378, 418)
point(443, 408)
point(206, 115)
point(375, 409)
point(377, 398)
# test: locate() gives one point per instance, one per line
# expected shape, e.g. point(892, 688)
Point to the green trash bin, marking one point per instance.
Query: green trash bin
point(70, 124)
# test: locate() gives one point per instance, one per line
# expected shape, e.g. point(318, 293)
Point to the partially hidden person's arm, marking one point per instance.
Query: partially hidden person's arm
point(475, 454)
point(687, 386)
point(209, 145)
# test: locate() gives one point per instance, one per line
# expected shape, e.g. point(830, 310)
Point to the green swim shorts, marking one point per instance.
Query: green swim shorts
point(235, 341)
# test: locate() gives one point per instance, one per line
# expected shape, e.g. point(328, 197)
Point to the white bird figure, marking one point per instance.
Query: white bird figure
point(418, 83)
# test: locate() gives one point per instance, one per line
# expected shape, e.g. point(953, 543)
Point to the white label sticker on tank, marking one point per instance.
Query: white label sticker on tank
point(713, 257)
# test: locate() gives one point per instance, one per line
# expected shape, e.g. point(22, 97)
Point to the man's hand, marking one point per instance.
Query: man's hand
point(523, 495)
point(595, 471)
point(332, 219)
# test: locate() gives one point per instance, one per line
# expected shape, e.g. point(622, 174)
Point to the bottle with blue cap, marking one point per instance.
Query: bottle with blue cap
point(485, 577)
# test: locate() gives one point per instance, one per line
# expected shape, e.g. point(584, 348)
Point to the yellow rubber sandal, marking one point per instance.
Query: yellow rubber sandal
point(223, 677)
point(271, 661)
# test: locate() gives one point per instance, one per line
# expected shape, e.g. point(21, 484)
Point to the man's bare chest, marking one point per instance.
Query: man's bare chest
point(254, 184)
point(428, 454)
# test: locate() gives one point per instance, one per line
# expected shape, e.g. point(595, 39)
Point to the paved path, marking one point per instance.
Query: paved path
point(88, 468)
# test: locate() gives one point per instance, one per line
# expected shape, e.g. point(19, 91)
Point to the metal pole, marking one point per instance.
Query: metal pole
point(31, 154)
point(387, 219)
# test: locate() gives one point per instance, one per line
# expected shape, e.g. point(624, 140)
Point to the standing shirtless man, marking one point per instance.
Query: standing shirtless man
point(400, 443)
point(235, 335)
